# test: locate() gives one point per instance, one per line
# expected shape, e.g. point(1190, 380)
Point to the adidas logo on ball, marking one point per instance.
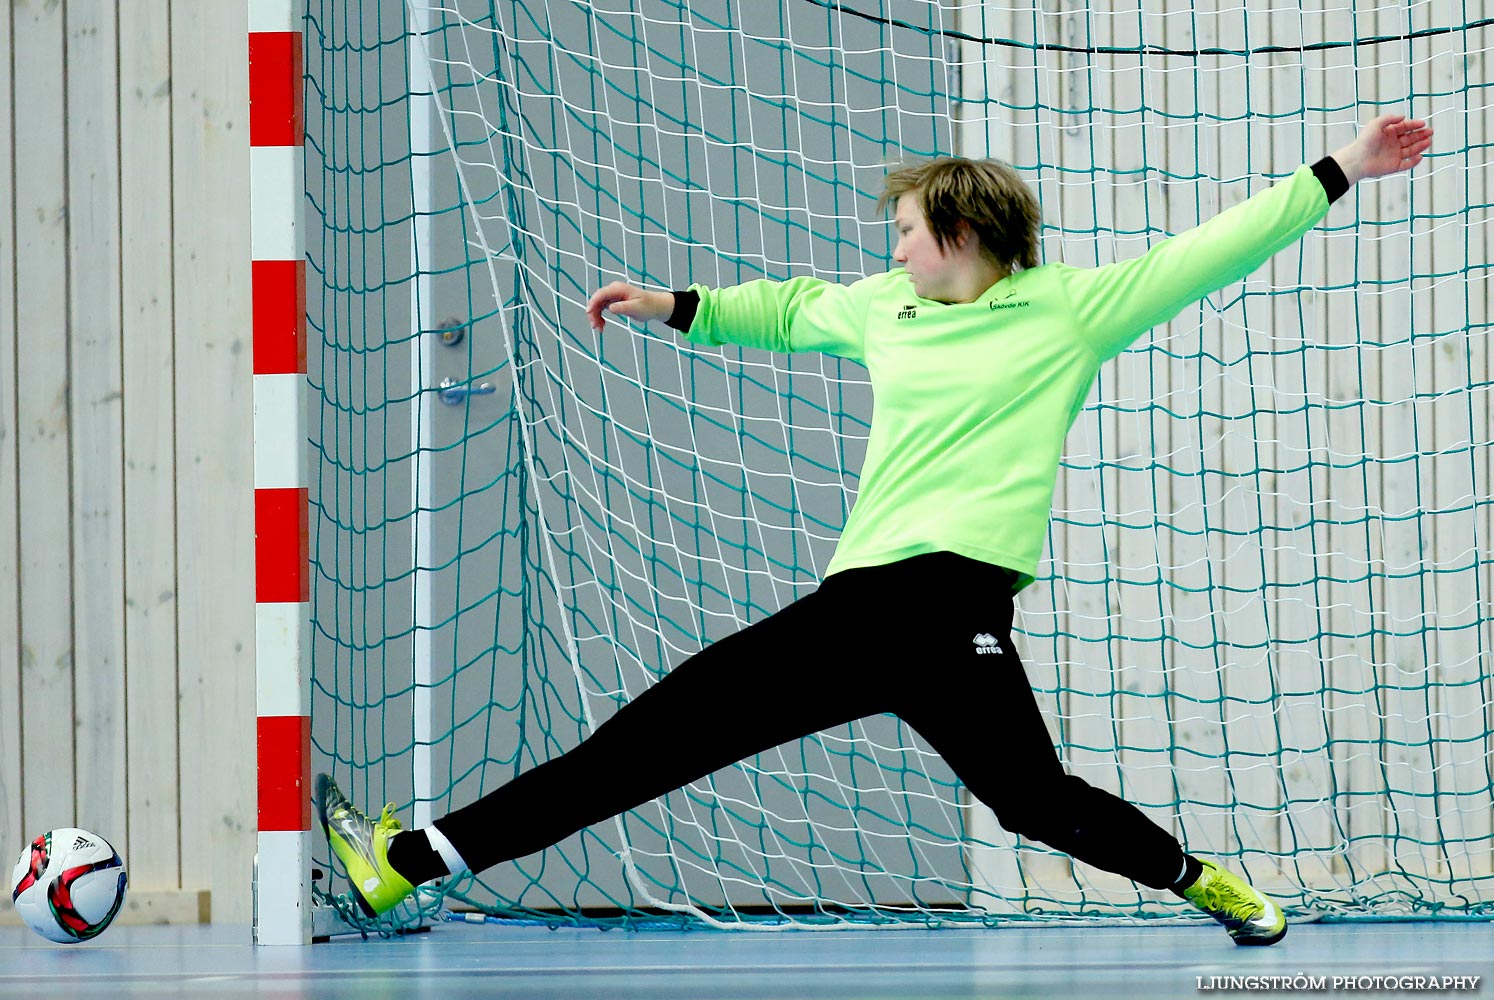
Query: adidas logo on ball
point(985, 642)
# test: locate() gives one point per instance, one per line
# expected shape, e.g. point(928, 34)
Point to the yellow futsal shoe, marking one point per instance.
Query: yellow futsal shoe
point(363, 847)
point(1249, 916)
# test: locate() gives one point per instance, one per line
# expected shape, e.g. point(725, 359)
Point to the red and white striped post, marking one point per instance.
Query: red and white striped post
point(282, 897)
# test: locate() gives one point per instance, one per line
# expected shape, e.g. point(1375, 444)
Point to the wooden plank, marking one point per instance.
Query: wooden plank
point(1402, 660)
point(11, 830)
point(1338, 371)
point(1248, 445)
point(1462, 776)
point(165, 907)
point(1416, 659)
point(150, 605)
point(1201, 620)
point(214, 456)
point(1169, 448)
point(1188, 656)
point(1171, 155)
point(1251, 446)
point(92, 82)
point(1196, 662)
point(1476, 235)
point(44, 433)
point(1290, 484)
point(144, 908)
point(1132, 145)
point(1371, 816)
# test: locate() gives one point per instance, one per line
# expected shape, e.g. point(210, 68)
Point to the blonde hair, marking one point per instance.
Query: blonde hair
point(990, 195)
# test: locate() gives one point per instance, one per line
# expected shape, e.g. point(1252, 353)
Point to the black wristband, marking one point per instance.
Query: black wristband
point(1331, 176)
point(685, 305)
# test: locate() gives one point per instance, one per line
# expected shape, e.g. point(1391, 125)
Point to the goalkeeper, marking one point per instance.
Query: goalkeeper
point(980, 360)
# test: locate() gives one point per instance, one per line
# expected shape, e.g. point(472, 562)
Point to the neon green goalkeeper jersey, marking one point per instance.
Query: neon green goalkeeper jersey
point(972, 401)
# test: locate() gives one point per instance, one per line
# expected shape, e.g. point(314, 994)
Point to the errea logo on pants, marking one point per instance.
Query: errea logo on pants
point(985, 642)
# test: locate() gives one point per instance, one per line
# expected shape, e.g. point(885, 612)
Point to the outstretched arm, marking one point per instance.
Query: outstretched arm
point(797, 314)
point(1116, 303)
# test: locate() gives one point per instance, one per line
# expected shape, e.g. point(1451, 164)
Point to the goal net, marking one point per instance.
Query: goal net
point(1263, 614)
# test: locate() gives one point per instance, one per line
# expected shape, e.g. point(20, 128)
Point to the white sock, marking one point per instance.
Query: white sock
point(453, 861)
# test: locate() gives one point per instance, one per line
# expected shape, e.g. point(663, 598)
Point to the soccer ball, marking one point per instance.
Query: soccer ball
point(68, 884)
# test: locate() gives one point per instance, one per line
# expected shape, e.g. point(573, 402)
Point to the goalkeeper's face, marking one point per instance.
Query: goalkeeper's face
point(937, 273)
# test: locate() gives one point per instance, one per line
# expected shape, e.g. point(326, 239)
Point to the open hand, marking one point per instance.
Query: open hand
point(623, 299)
point(1387, 145)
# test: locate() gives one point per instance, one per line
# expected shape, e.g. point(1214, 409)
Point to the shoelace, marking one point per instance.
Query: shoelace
point(1221, 895)
point(387, 820)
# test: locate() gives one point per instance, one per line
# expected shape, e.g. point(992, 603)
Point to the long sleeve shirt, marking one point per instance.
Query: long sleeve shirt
point(972, 401)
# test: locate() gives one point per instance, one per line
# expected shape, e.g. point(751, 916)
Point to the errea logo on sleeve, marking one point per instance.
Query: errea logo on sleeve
point(985, 642)
point(908, 312)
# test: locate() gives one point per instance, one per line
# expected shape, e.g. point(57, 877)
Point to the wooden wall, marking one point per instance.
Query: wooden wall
point(126, 527)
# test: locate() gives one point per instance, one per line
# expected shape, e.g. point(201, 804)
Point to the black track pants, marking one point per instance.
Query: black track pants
point(899, 638)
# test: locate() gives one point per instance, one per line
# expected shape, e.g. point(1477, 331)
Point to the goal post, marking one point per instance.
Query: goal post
point(282, 860)
point(1262, 615)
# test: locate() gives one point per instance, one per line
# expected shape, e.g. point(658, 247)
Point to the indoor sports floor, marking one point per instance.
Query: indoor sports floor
point(459, 960)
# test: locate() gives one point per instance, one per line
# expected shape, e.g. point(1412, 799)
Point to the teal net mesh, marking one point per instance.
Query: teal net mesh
point(1264, 612)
